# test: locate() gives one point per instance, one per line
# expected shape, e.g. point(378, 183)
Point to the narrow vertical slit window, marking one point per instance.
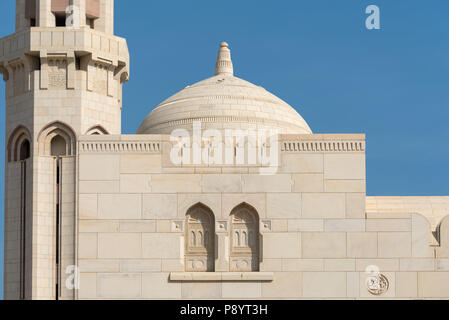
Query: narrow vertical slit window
point(25, 150)
point(58, 227)
point(58, 150)
point(23, 231)
point(24, 154)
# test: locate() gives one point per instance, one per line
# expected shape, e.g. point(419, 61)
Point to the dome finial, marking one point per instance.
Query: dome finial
point(224, 62)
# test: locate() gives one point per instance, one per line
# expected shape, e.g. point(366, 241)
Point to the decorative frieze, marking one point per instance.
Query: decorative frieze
point(17, 74)
point(220, 119)
point(323, 146)
point(285, 146)
point(119, 147)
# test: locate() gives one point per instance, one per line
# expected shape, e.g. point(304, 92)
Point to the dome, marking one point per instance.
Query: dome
point(224, 102)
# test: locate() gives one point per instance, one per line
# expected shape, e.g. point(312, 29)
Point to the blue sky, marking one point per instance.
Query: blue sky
point(317, 55)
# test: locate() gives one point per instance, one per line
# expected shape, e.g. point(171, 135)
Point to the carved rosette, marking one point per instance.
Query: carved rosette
point(377, 285)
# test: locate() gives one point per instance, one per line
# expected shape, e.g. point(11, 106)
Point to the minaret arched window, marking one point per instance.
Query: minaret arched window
point(58, 146)
point(18, 153)
point(57, 139)
point(244, 239)
point(200, 236)
point(24, 150)
point(19, 145)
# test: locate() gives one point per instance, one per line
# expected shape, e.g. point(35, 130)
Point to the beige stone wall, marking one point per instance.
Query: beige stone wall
point(435, 209)
point(124, 204)
point(12, 235)
point(316, 238)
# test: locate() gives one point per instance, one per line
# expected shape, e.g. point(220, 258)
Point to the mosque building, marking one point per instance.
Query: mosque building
point(223, 193)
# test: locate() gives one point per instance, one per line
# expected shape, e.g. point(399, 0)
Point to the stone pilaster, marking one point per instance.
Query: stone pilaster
point(45, 17)
point(222, 238)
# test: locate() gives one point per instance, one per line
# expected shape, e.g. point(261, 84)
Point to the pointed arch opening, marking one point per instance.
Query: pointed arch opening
point(57, 139)
point(58, 146)
point(24, 150)
point(19, 145)
point(200, 239)
point(19, 151)
point(244, 239)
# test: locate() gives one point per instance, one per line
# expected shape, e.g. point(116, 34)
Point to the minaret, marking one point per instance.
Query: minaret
point(64, 70)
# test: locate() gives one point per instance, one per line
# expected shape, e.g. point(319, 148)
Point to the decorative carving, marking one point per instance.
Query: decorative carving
point(177, 226)
point(18, 79)
point(244, 239)
point(377, 285)
point(197, 263)
point(100, 84)
point(266, 225)
point(57, 73)
point(214, 119)
point(222, 226)
point(224, 62)
point(119, 147)
point(200, 236)
point(323, 146)
point(244, 264)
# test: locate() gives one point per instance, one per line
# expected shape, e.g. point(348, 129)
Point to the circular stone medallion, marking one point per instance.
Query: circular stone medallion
point(377, 285)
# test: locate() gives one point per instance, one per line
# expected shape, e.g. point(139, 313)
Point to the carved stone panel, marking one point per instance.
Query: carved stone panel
point(200, 236)
point(100, 84)
point(19, 79)
point(57, 74)
point(244, 239)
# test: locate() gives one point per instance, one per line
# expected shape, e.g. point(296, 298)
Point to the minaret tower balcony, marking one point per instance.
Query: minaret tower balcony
point(84, 40)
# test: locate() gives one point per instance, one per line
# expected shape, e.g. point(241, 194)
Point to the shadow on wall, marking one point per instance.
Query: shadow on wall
point(443, 233)
point(2, 181)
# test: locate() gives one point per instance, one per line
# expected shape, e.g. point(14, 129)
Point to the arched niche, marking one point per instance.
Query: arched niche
point(244, 238)
point(24, 150)
point(19, 145)
point(58, 146)
point(200, 239)
point(19, 150)
point(57, 139)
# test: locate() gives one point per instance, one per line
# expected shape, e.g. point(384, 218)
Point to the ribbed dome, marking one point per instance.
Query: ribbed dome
point(224, 102)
